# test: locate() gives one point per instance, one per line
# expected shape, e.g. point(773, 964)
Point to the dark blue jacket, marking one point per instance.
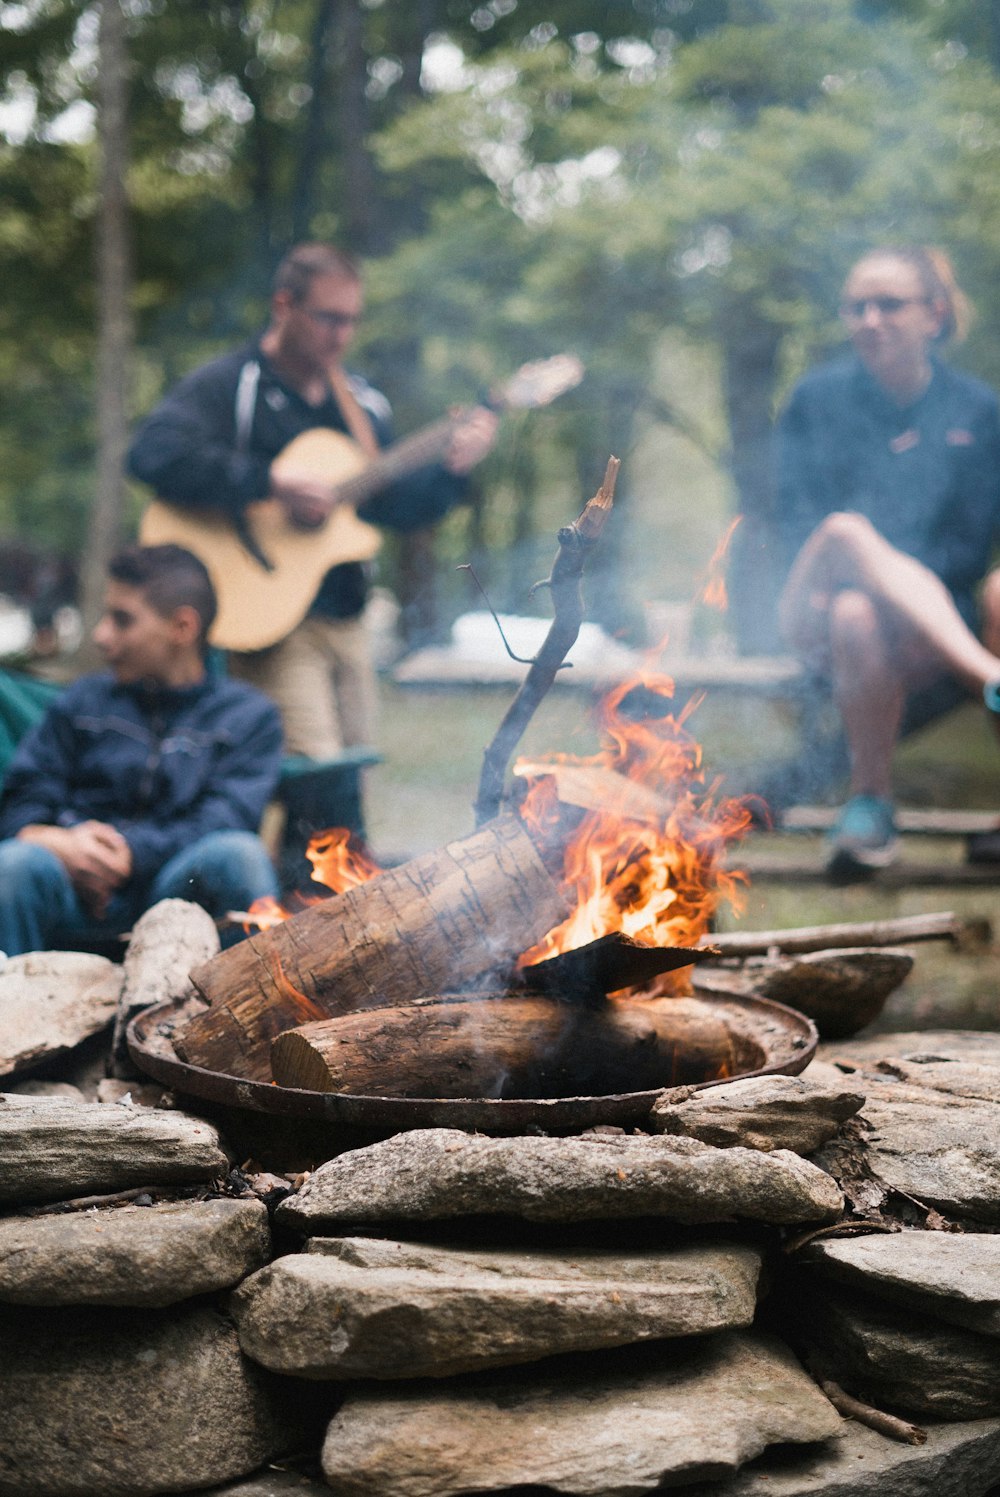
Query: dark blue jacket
point(927, 475)
point(164, 766)
point(190, 452)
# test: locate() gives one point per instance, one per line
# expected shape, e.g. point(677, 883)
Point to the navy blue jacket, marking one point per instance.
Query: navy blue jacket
point(164, 766)
point(188, 451)
point(927, 476)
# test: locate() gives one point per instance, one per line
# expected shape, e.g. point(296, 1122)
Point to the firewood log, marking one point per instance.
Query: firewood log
point(434, 924)
point(505, 1045)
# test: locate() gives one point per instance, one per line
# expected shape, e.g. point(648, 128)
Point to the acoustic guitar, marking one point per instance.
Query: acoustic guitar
point(267, 577)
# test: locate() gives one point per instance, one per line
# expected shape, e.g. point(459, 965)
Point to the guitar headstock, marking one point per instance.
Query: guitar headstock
point(540, 382)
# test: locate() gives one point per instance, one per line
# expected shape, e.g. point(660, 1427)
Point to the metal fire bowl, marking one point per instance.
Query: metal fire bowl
point(783, 1039)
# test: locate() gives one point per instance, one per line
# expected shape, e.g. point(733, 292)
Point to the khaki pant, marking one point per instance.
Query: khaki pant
point(322, 681)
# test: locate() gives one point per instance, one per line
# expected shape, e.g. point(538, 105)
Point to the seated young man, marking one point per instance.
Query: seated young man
point(143, 782)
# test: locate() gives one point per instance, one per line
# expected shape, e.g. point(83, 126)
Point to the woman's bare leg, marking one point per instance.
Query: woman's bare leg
point(868, 688)
point(846, 551)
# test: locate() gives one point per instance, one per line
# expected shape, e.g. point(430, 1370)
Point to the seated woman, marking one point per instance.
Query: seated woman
point(889, 499)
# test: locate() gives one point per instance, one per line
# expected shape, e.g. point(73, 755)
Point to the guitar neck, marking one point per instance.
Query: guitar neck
point(403, 457)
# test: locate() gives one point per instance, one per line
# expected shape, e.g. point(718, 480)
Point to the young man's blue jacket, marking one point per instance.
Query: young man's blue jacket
point(166, 766)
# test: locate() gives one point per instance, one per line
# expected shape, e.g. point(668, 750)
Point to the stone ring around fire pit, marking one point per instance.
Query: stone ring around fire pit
point(629, 1054)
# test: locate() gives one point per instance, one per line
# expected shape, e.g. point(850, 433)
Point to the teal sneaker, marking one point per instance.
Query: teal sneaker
point(863, 840)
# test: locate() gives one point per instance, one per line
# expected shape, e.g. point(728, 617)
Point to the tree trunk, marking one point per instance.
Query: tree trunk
point(750, 350)
point(114, 330)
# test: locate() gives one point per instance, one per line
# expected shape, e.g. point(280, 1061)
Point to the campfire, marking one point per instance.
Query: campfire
point(545, 958)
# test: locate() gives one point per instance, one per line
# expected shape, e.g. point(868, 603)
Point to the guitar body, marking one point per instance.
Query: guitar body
point(257, 607)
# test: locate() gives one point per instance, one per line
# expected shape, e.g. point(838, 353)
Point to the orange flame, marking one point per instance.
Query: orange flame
point(714, 593)
point(338, 862)
point(659, 880)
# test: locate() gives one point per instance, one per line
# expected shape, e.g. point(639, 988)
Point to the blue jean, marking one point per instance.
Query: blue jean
point(39, 907)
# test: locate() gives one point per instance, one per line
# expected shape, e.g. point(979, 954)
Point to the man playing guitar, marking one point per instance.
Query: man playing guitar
point(213, 446)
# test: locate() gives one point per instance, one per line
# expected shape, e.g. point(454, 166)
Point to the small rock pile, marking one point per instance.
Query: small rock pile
point(446, 1313)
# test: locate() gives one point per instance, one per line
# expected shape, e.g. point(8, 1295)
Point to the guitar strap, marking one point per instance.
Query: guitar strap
point(355, 416)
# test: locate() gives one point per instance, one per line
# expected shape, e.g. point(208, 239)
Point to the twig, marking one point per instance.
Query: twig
point(932, 927)
point(876, 1419)
point(575, 543)
point(85, 1203)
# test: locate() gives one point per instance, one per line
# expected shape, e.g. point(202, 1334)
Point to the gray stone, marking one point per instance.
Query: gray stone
point(52, 1148)
point(980, 1046)
point(911, 1364)
point(930, 1130)
point(841, 989)
point(435, 1173)
point(50, 1002)
point(132, 1255)
point(273, 1483)
point(953, 1275)
point(358, 1307)
point(758, 1112)
point(958, 1460)
point(108, 1403)
point(613, 1426)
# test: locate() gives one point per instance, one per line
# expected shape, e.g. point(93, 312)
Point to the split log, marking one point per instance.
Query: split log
point(943, 926)
point(506, 1046)
point(435, 924)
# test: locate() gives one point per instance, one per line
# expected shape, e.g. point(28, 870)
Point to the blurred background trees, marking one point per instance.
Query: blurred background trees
point(673, 191)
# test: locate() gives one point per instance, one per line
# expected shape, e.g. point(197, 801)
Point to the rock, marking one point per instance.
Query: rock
point(434, 1173)
point(934, 1143)
point(758, 1112)
point(50, 1001)
point(274, 1484)
point(983, 1047)
point(912, 1365)
point(168, 940)
point(612, 1426)
point(52, 1148)
point(132, 1255)
point(958, 1460)
point(357, 1307)
point(955, 1276)
point(107, 1403)
point(841, 990)
point(133, 1093)
point(34, 1088)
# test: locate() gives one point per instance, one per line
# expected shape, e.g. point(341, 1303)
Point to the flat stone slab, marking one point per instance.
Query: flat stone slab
point(50, 1002)
point(958, 1460)
point(110, 1403)
point(981, 1046)
point(952, 1275)
point(911, 1364)
point(437, 1173)
point(758, 1112)
point(613, 1426)
point(132, 1255)
point(363, 1307)
point(53, 1148)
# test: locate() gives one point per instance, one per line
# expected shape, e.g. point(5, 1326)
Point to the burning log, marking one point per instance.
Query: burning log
point(505, 1046)
point(436, 923)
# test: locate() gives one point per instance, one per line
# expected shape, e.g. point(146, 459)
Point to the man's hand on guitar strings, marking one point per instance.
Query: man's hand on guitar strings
point(472, 437)
point(308, 502)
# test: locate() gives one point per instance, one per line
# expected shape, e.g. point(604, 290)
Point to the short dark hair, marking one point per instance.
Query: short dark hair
point(304, 262)
point(169, 578)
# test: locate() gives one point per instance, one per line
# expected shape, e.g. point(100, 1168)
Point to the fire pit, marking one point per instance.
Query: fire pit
point(625, 1055)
